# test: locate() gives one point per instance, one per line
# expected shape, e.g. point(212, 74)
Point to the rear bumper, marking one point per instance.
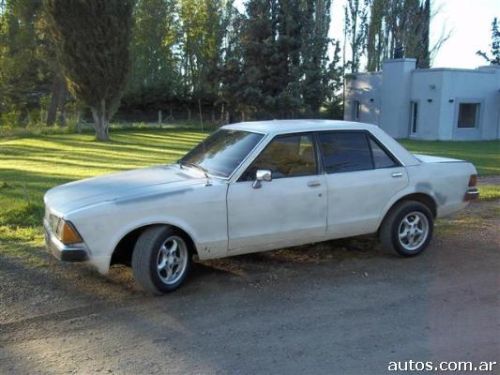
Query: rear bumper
point(66, 253)
point(472, 193)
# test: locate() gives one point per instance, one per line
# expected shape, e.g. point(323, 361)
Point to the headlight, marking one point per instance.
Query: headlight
point(66, 233)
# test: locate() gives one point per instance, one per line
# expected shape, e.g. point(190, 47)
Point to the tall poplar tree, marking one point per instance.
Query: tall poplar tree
point(155, 75)
point(399, 28)
point(356, 30)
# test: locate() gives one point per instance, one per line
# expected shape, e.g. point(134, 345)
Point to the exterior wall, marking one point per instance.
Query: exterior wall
point(426, 91)
point(480, 86)
point(364, 88)
point(395, 96)
point(385, 99)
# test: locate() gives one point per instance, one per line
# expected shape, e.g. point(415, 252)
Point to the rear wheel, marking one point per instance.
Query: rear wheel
point(407, 229)
point(161, 259)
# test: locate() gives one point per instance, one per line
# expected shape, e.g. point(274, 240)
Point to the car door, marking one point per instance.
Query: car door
point(290, 209)
point(362, 177)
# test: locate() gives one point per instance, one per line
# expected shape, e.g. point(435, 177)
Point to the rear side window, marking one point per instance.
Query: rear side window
point(345, 151)
point(380, 156)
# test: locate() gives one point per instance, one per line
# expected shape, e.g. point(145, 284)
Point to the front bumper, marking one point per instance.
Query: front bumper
point(66, 253)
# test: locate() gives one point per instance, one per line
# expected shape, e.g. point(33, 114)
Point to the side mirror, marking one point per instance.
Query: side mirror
point(261, 175)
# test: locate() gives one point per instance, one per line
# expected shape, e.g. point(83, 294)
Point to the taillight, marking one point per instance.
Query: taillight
point(472, 191)
point(473, 180)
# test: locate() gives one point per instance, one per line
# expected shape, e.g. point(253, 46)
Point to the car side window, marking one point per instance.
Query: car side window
point(286, 156)
point(381, 158)
point(345, 151)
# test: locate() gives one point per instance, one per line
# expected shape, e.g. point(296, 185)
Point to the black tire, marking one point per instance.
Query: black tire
point(392, 226)
point(146, 258)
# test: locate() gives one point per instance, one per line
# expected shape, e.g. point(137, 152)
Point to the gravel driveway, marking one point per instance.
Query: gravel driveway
point(342, 307)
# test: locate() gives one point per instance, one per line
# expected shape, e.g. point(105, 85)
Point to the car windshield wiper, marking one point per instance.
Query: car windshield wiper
point(193, 165)
point(197, 166)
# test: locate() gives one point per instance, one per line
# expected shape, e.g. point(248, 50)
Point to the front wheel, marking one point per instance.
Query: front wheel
point(161, 260)
point(407, 229)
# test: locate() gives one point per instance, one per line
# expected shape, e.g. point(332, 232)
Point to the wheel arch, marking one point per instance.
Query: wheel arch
point(122, 252)
point(423, 198)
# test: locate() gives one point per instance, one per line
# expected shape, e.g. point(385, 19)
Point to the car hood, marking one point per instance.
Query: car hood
point(113, 187)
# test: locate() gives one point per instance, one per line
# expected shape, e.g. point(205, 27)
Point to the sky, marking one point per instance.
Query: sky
point(470, 24)
point(467, 21)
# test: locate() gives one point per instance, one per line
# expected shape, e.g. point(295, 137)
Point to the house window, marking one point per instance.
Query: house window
point(413, 116)
point(356, 109)
point(468, 115)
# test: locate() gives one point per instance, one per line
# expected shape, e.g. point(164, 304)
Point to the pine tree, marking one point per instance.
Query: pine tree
point(317, 72)
point(495, 44)
point(231, 70)
point(92, 38)
point(287, 71)
point(259, 49)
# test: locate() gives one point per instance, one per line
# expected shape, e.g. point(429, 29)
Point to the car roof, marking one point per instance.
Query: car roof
point(294, 126)
point(276, 127)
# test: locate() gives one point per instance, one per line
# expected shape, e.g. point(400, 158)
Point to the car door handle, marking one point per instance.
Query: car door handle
point(397, 174)
point(313, 183)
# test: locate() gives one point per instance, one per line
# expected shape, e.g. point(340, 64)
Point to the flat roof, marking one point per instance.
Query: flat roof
point(289, 126)
point(453, 70)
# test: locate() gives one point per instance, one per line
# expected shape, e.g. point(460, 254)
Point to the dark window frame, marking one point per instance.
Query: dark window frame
point(356, 113)
point(317, 158)
point(391, 156)
point(368, 136)
point(414, 116)
point(477, 114)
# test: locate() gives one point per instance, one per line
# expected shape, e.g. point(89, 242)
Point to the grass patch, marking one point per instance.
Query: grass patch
point(30, 166)
point(475, 222)
point(485, 155)
point(489, 192)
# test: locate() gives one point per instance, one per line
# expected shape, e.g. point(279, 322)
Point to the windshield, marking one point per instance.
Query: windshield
point(220, 153)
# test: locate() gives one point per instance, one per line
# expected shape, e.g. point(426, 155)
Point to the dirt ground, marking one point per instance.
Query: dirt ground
point(341, 307)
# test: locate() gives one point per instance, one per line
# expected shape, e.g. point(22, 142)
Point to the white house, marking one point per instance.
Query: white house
point(440, 103)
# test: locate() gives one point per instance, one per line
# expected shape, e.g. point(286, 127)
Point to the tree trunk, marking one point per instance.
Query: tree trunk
point(58, 93)
point(101, 122)
point(201, 114)
point(62, 115)
point(222, 111)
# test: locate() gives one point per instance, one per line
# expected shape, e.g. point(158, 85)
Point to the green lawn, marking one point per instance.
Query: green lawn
point(485, 155)
point(31, 165)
